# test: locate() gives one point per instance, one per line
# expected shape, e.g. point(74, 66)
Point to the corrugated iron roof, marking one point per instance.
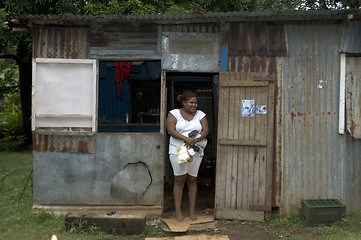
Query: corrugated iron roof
point(208, 16)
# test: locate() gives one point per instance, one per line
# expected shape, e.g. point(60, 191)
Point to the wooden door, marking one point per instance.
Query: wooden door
point(244, 147)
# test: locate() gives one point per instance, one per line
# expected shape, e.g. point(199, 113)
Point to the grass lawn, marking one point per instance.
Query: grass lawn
point(18, 221)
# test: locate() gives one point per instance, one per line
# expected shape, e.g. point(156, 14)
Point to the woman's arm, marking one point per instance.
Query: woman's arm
point(205, 130)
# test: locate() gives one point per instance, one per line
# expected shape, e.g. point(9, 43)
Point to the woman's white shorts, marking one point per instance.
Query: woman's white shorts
point(190, 168)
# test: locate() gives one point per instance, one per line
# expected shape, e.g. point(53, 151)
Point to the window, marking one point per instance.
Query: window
point(64, 95)
point(129, 96)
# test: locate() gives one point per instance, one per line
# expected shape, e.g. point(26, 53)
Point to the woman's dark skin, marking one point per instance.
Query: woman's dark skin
point(188, 112)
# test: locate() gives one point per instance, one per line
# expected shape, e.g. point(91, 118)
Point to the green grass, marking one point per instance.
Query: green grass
point(18, 221)
point(292, 227)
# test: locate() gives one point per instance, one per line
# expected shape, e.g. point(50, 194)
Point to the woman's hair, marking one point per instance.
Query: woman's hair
point(185, 96)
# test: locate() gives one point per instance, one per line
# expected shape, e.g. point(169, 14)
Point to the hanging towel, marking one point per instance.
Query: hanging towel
point(122, 70)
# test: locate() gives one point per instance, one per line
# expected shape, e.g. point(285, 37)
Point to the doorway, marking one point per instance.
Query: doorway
point(205, 85)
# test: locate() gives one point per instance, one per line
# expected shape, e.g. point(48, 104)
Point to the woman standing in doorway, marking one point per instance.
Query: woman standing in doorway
point(180, 122)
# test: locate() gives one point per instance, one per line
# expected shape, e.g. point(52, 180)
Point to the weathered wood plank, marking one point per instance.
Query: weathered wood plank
point(243, 142)
point(262, 175)
point(248, 83)
point(163, 103)
point(220, 197)
point(243, 146)
point(262, 160)
point(270, 142)
point(234, 177)
point(259, 76)
point(228, 183)
point(231, 112)
point(220, 193)
point(239, 214)
point(255, 207)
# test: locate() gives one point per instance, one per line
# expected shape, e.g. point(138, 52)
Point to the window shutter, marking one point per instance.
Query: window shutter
point(64, 94)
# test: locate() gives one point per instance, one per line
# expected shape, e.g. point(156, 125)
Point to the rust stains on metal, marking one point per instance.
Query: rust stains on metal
point(256, 39)
point(353, 101)
point(83, 147)
point(254, 64)
point(56, 42)
point(64, 143)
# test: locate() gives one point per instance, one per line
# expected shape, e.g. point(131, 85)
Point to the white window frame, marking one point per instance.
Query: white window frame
point(342, 100)
point(53, 76)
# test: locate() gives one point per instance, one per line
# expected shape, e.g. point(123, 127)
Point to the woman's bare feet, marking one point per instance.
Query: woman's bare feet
point(179, 216)
point(193, 216)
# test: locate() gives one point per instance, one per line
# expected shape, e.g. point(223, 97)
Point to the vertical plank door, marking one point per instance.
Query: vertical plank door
point(244, 147)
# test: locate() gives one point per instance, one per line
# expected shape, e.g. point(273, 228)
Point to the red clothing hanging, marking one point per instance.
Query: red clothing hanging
point(122, 70)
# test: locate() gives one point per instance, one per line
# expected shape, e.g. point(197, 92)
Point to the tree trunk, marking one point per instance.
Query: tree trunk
point(24, 53)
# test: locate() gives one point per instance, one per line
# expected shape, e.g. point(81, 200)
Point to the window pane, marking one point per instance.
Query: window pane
point(129, 96)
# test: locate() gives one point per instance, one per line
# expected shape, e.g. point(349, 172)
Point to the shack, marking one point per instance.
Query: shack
point(281, 91)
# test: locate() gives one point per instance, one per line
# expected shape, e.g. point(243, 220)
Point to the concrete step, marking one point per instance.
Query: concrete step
point(118, 223)
point(127, 220)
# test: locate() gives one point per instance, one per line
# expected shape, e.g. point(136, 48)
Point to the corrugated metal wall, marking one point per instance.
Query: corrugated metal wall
point(124, 41)
point(61, 42)
point(313, 160)
point(191, 28)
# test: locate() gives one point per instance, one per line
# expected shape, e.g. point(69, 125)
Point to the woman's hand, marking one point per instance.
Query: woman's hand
point(190, 141)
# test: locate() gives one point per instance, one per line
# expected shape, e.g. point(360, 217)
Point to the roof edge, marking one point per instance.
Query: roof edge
point(71, 19)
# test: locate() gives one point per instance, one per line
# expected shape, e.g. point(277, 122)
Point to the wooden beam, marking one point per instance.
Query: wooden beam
point(242, 142)
point(22, 30)
point(234, 83)
point(265, 208)
point(259, 76)
point(226, 213)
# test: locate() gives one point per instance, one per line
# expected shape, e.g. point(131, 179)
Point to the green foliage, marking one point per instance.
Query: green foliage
point(153, 231)
point(11, 128)
point(11, 123)
point(113, 7)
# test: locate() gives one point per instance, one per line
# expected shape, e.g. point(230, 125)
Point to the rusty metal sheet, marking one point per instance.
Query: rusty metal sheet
point(64, 143)
point(353, 94)
point(127, 41)
point(255, 39)
point(56, 42)
point(351, 38)
point(312, 159)
point(254, 64)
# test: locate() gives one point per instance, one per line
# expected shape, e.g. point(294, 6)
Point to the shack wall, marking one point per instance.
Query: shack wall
point(312, 159)
point(120, 172)
point(75, 168)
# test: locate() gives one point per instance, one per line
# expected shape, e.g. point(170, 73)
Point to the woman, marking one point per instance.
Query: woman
point(180, 122)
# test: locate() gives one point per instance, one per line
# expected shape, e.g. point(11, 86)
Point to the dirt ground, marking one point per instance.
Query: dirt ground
point(220, 227)
point(235, 230)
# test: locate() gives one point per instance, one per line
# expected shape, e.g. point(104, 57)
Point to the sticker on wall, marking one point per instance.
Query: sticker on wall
point(247, 108)
point(261, 109)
